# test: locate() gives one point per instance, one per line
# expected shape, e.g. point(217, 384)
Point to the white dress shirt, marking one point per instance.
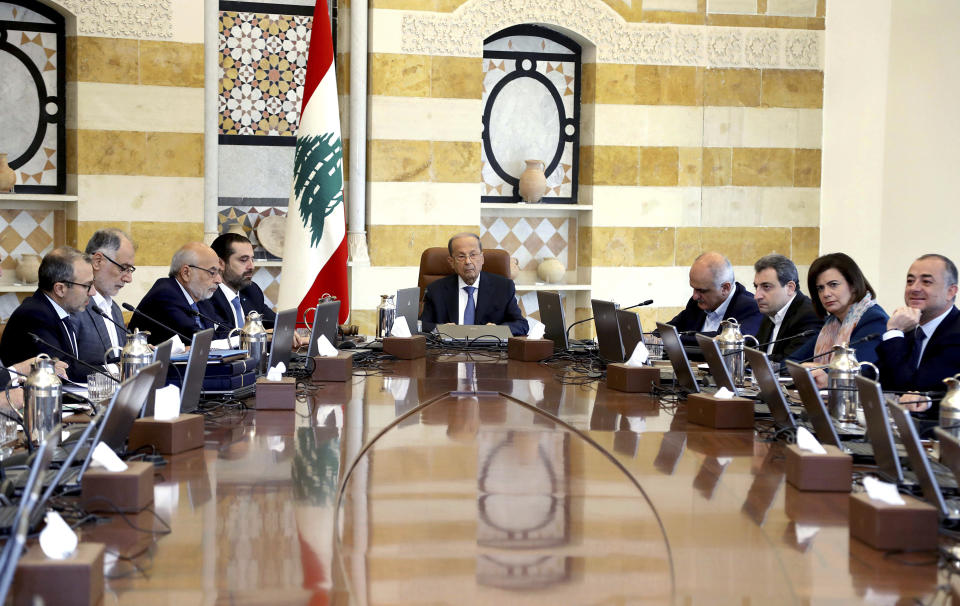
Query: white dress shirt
point(712, 323)
point(105, 305)
point(231, 295)
point(777, 320)
point(462, 297)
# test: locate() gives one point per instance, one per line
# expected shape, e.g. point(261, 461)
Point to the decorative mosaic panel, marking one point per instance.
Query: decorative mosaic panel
point(263, 64)
point(32, 112)
point(530, 240)
point(25, 232)
point(268, 279)
point(248, 218)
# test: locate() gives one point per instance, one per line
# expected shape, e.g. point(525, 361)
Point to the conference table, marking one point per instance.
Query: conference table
point(467, 478)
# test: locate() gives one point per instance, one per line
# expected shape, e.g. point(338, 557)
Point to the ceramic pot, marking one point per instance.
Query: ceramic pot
point(533, 183)
point(7, 177)
point(27, 268)
point(551, 270)
point(514, 268)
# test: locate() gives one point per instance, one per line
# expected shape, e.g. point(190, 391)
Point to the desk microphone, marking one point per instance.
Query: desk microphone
point(869, 337)
point(106, 317)
point(129, 307)
point(196, 314)
point(72, 357)
point(642, 304)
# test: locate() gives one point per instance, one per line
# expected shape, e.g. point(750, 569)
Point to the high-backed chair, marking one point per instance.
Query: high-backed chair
point(434, 265)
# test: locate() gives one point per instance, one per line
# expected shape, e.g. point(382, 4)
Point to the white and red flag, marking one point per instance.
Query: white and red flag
point(315, 247)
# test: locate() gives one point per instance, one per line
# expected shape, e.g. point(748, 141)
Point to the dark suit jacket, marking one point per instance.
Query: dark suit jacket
point(941, 358)
point(800, 317)
point(496, 303)
point(251, 299)
point(742, 307)
point(874, 320)
point(165, 302)
point(92, 338)
point(37, 315)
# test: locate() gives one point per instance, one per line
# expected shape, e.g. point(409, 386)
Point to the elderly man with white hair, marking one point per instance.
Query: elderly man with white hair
point(717, 296)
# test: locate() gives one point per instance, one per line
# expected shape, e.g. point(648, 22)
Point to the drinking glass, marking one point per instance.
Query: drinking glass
point(100, 387)
point(8, 434)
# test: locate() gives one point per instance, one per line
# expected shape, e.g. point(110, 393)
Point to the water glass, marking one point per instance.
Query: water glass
point(100, 387)
point(8, 434)
point(654, 346)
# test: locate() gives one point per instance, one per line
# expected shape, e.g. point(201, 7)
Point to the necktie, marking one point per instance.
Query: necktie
point(196, 319)
point(919, 337)
point(72, 332)
point(238, 311)
point(470, 311)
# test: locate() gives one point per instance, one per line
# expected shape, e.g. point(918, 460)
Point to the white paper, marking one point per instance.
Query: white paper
point(64, 434)
point(166, 405)
point(103, 456)
point(724, 461)
point(637, 424)
point(805, 532)
point(57, 540)
point(535, 328)
point(884, 492)
point(807, 441)
point(231, 343)
point(639, 356)
point(325, 349)
point(723, 394)
point(178, 347)
point(530, 302)
point(400, 327)
point(276, 373)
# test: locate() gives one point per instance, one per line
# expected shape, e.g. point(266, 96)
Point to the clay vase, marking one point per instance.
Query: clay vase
point(533, 183)
point(514, 268)
point(7, 177)
point(551, 270)
point(27, 268)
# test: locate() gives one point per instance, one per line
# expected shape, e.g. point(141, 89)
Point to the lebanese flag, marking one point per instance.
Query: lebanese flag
point(315, 247)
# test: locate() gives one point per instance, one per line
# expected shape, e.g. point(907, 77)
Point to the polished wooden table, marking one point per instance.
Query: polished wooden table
point(470, 479)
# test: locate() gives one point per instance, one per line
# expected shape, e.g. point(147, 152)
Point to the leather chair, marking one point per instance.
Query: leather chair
point(434, 265)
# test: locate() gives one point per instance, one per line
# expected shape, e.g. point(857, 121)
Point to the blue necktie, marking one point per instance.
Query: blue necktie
point(238, 311)
point(470, 311)
point(72, 333)
point(918, 338)
point(196, 319)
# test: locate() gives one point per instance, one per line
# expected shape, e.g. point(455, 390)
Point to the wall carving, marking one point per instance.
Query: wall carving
point(144, 19)
point(461, 33)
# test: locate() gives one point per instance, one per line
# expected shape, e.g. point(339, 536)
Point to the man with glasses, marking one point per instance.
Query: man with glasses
point(182, 300)
point(471, 296)
point(65, 286)
point(111, 253)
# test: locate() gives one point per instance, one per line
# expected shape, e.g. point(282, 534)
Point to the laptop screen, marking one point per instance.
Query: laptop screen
point(551, 314)
point(608, 330)
point(281, 347)
point(813, 404)
point(324, 323)
point(196, 368)
point(408, 306)
point(714, 359)
point(919, 462)
point(126, 407)
point(878, 430)
point(678, 358)
point(769, 387)
point(631, 333)
point(161, 355)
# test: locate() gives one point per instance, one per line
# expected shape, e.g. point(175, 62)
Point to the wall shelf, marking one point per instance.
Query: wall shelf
point(534, 207)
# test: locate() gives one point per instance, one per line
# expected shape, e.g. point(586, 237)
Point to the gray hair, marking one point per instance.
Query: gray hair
point(57, 266)
point(719, 266)
point(107, 240)
point(183, 257)
point(465, 234)
point(786, 270)
point(949, 269)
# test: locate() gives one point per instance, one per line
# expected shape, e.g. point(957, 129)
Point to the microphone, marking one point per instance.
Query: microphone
point(103, 315)
point(806, 333)
point(72, 357)
point(129, 307)
point(641, 304)
point(197, 314)
point(869, 337)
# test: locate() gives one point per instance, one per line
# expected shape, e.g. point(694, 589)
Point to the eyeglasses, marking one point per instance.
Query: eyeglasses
point(86, 286)
point(473, 257)
point(213, 272)
point(124, 269)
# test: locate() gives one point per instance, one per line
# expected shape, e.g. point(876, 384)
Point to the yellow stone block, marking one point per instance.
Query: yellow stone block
point(343, 73)
point(658, 166)
point(615, 165)
point(691, 166)
point(717, 166)
point(70, 61)
point(665, 314)
point(108, 60)
point(171, 63)
point(366, 319)
point(616, 83)
point(398, 160)
point(585, 330)
point(792, 88)
point(742, 245)
point(111, 152)
point(71, 151)
point(588, 83)
point(456, 77)
point(456, 161)
point(399, 75)
point(585, 245)
point(732, 87)
point(402, 245)
point(174, 155)
point(807, 168)
point(158, 240)
point(768, 167)
point(673, 17)
point(669, 85)
point(806, 244)
point(613, 247)
point(70, 233)
point(654, 246)
point(586, 165)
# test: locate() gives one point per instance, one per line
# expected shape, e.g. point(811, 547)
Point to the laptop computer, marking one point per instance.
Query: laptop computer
point(161, 355)
point(127, 403)
point(408, 306)
point(324, 323)
point(949, 450)
point(30, 508)
point(718, 368)
point(948, 509)
point(551, 314)
point(682, 371)
point(480, 334)
point(825, 429)
point(281, 347)
point(609, 342)
point(192, 384)
point(770, 391)
point(631, 331)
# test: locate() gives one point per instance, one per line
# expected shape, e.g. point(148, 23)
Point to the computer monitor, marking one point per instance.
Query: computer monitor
point(608, 330)
point(408, 306)
point(631, 332)
point(281, 347)
point(196, 368)
point(551, 314)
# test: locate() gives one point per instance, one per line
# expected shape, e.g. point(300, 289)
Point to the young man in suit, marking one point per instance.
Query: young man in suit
point(922, 344)
point(175, 300)
point(238, 294)
point(65, 285)
point(471, 296)
point(717, 296)
point(111, 254)
point(787, 312)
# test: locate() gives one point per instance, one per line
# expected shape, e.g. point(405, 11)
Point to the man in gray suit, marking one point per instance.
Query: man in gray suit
point(112, 256)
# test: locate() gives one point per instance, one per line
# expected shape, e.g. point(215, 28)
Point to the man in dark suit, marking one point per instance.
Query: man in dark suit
point(238, 294)
point(65, 285)
point(922, 344)
point(717, 297)
point(175, 300)
point(112, 255)
point(787, 312)
point(471, 296)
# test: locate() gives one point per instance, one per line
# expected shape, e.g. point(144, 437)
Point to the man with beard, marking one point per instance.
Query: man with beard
point(177, 299)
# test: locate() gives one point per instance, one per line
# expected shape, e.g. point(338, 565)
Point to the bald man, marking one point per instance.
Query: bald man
point(194, 277)
point(717, 296)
